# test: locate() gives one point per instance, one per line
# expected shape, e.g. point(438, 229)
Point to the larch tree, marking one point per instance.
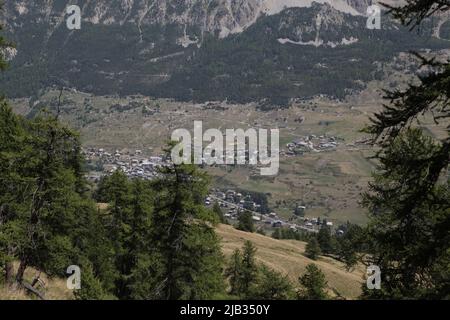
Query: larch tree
point(409, 229)
point(183, 236)
point(313, 284)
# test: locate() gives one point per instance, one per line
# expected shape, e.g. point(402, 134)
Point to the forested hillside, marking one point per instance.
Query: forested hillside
point(298, 52)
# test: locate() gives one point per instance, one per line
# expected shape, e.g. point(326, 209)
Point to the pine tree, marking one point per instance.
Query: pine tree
point(408, 241)
point(48, 220)
point(249, 268)
point(312, 249)
point(413, 12)
point(350, 244)
point(116, 191)
point(245, 222)
point(272, 285)
point(132, 209)
point(49, 199)
point(277, 234)
point(202, 265)
point(11, 138)
point(314, 284)
point(242, 271)
point(233, 272)
point(94, 247)
point(216, 209)
point(324, 239)
point(91, 287)
point(130, 215)
point(181, 231)
point(348, 254)
point(141, 206)
point(408, 200)
point(145, 276)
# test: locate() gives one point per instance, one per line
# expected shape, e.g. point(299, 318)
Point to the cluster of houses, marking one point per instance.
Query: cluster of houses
point(307, 224)
point(311, 222)
point(312, 143)
point(132, 163)
point(234, 203)
point(135, 164)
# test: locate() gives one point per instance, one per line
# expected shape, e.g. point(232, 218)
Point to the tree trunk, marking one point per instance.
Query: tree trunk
point(21, 271)
point(9, 273)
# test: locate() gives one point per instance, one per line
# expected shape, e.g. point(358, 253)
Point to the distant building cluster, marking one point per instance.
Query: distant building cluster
point(136, 165)
point(312, 143)
point(133, 164)
point(234, 203)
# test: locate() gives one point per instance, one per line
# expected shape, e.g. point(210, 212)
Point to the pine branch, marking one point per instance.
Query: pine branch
point(415, 11)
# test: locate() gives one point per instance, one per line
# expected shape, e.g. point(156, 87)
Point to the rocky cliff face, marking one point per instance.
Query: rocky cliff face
point(220, 17)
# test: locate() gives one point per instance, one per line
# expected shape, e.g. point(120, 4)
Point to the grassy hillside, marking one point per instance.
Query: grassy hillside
point(286, 256)
point(56, 288)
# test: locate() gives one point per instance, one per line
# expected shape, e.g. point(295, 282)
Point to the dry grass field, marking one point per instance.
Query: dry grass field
point(286, 256)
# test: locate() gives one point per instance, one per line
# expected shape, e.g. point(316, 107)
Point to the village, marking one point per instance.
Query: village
point(312, 143)
point(137, 165)
point(133, 163)
point(234, 203)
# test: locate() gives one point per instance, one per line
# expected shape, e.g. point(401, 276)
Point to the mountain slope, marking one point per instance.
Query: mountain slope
point(202, 50)
point(300, 52)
